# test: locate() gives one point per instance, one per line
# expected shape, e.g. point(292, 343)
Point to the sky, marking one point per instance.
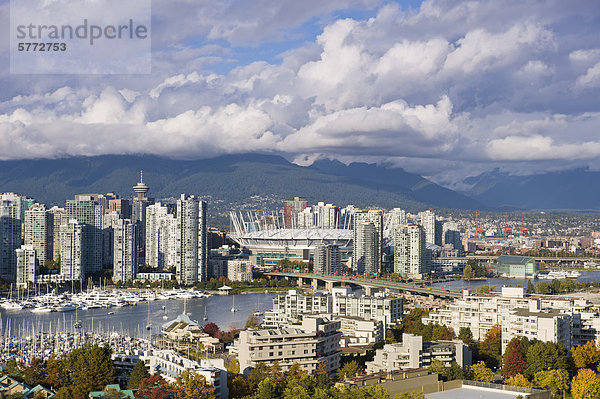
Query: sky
point(446, 89)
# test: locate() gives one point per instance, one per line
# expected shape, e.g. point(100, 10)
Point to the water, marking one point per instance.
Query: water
point(586, 276)
point(132, 320)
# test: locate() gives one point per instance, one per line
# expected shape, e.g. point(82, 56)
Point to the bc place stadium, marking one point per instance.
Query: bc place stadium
point(274, 235)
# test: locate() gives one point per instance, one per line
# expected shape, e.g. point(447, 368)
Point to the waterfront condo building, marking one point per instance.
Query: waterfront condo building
point(125, 263)
point(71, 251)
point(190, 230)
point(26, 264)
point(38, 231)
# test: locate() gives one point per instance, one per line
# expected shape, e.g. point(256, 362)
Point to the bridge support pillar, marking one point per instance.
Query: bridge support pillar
point(329, 286)
point(370, 290)
point(299, 281)
point(315, 284)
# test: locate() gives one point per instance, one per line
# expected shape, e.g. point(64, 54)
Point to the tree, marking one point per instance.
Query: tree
point(239, 387)
point(138, 373)
point(468, 272)
point(585, 385)
point(233, 367)
point(519, 380)
point(35, 373)
point(323, 378)
point(267, 389)
point(491, 346)
point(545, 356)
point(349, 369)
point(514, 360)
point(252, 322)
point(89, 369)
point(410, 395)
point(14, 369)
point(585, 355)
point(555, 380)
point(54, 373)
point(294, 373)
point(530, 287)
point(482, 373)
point(258, 374)
point(212, 329)
point(466, 336)
point(191, 385)
point(154, 387)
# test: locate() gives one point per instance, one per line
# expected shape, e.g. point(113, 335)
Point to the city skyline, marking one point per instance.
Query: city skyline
point(443, 89)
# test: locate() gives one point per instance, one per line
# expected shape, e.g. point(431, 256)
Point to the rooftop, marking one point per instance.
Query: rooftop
point(515, 259)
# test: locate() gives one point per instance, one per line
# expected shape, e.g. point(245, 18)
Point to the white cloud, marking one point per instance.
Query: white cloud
point(434, 89)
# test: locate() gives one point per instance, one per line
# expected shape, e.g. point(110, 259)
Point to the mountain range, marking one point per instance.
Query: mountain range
point(230, 178)
point(576, 189)
point(264, 180)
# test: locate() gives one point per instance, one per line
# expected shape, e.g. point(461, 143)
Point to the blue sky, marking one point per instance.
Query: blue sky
point(447, 89)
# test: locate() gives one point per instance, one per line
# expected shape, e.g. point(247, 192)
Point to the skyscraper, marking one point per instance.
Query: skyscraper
point(154, 234)
point(428, 223)
point(368, 241)
point(328, 259)
point(59, 217)
point(291, 208)
point(26, 265)
point(410, 253)
point(366, 257)
point(38, 232)
point(86, 209)
point(125, 265)
point(190, 230)
point(71, 250)
point(10, 237)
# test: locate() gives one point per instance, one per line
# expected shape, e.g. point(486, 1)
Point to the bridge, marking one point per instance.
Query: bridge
point(367, 283)
point(492, 258)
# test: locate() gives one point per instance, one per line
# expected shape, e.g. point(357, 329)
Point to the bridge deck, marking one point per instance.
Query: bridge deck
point(373, 283)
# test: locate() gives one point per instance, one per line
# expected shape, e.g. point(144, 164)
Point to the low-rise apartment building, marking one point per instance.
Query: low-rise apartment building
point(413, 353)
point(482, 311)
point(289, 309)
point(316, 341)
point(547, 325)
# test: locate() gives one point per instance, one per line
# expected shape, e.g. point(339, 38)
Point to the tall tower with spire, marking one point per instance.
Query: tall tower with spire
point(141, 189)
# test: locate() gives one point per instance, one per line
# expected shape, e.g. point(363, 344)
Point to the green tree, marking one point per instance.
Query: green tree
point(252, 322)
point(138, 373)
point(545, 356)
point(555, 380)
point(482, 373)
point(191, 385)
point(88, 369)
point(410, 395)
point(466, 336)
point(585, 385)
point(233, 367)
point(267, 389)
point(35, 373)
point(239, 387)
point(468, 272)
point(14, 369)
point(530, 287)
point(54, 373)
point(519, 380)
point(349, 369)
point(259, 373)
point(585, 355)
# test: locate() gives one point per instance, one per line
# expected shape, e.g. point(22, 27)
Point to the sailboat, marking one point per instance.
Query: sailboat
point(149, 325)
point(205, 315)
point(233, 309)
point(165, 317)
